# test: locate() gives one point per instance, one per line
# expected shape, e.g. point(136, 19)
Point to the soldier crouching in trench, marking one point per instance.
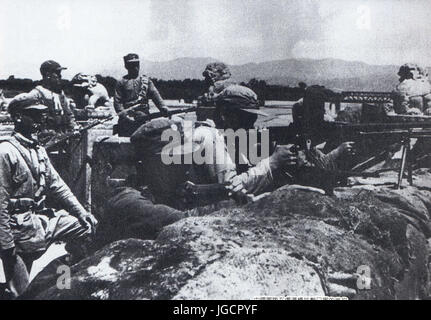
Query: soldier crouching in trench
point(27, 227)
point(236, 108)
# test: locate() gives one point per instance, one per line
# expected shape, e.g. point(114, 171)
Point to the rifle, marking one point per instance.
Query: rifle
point(55, 142)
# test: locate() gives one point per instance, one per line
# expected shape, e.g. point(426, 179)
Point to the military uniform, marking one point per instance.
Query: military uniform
point(26, 178)
point(140, 89)
point(61, 116)
point(60, 108)
point(217, 167)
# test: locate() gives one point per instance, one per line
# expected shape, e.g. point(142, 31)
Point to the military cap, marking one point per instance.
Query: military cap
point(131, 57)
point(23, 102)
point(50, 66)
point(217, 71)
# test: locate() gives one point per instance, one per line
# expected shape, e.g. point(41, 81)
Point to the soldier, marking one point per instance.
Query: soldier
point(27, 178)
point(413, 94)
point(236, 108)
point(60, 118)
point(131, 90)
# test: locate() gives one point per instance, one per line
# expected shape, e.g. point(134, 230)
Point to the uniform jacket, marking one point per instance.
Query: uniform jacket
point(222, 168)
point(18, 180)
point(60, 108)
point(141, 88)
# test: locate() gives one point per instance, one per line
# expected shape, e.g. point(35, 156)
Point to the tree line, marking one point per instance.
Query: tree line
point(187, 89)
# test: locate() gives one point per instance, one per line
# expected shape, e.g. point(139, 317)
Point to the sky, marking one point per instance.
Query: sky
point(92, 35)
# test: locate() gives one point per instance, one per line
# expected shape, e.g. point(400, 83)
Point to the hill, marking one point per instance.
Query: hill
point(347, 75)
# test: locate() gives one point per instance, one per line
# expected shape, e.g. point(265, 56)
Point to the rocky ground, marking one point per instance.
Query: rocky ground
point(292, 242)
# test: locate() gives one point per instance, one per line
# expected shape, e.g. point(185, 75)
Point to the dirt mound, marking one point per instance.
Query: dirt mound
point(293, 242)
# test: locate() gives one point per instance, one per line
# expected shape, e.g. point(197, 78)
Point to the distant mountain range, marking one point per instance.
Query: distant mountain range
point(332, 73)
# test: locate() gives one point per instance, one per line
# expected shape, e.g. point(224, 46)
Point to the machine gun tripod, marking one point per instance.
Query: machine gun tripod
point(406, 135)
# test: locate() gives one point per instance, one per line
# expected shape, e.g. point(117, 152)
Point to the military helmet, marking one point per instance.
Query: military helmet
point(217, 71)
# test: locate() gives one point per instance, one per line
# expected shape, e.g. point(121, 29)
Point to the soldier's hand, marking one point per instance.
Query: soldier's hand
point(236, 185)
point(237, 190)
point(89, 222)
point(283, 156)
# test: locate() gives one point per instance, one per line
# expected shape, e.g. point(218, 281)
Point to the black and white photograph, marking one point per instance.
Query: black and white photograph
point(195, 150)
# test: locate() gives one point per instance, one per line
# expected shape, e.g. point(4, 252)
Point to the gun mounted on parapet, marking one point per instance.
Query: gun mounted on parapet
point(377, 134)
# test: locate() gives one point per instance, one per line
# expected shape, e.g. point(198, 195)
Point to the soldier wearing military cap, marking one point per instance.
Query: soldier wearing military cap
point(60, 117)
point(27, 178)
point(131, 90)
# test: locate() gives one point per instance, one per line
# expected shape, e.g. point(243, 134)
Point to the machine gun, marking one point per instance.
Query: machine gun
point(404, 135)
point(374, 141)
point(380, 138)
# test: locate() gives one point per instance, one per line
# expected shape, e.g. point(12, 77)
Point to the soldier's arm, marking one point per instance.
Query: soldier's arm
point(217, 161)
point(6, 236)
point(260, 178)
point(118, 97)
point(155, 96)
point(255, 180)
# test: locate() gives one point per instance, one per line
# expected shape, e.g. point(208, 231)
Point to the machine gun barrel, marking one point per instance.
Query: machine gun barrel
point(381, 126)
